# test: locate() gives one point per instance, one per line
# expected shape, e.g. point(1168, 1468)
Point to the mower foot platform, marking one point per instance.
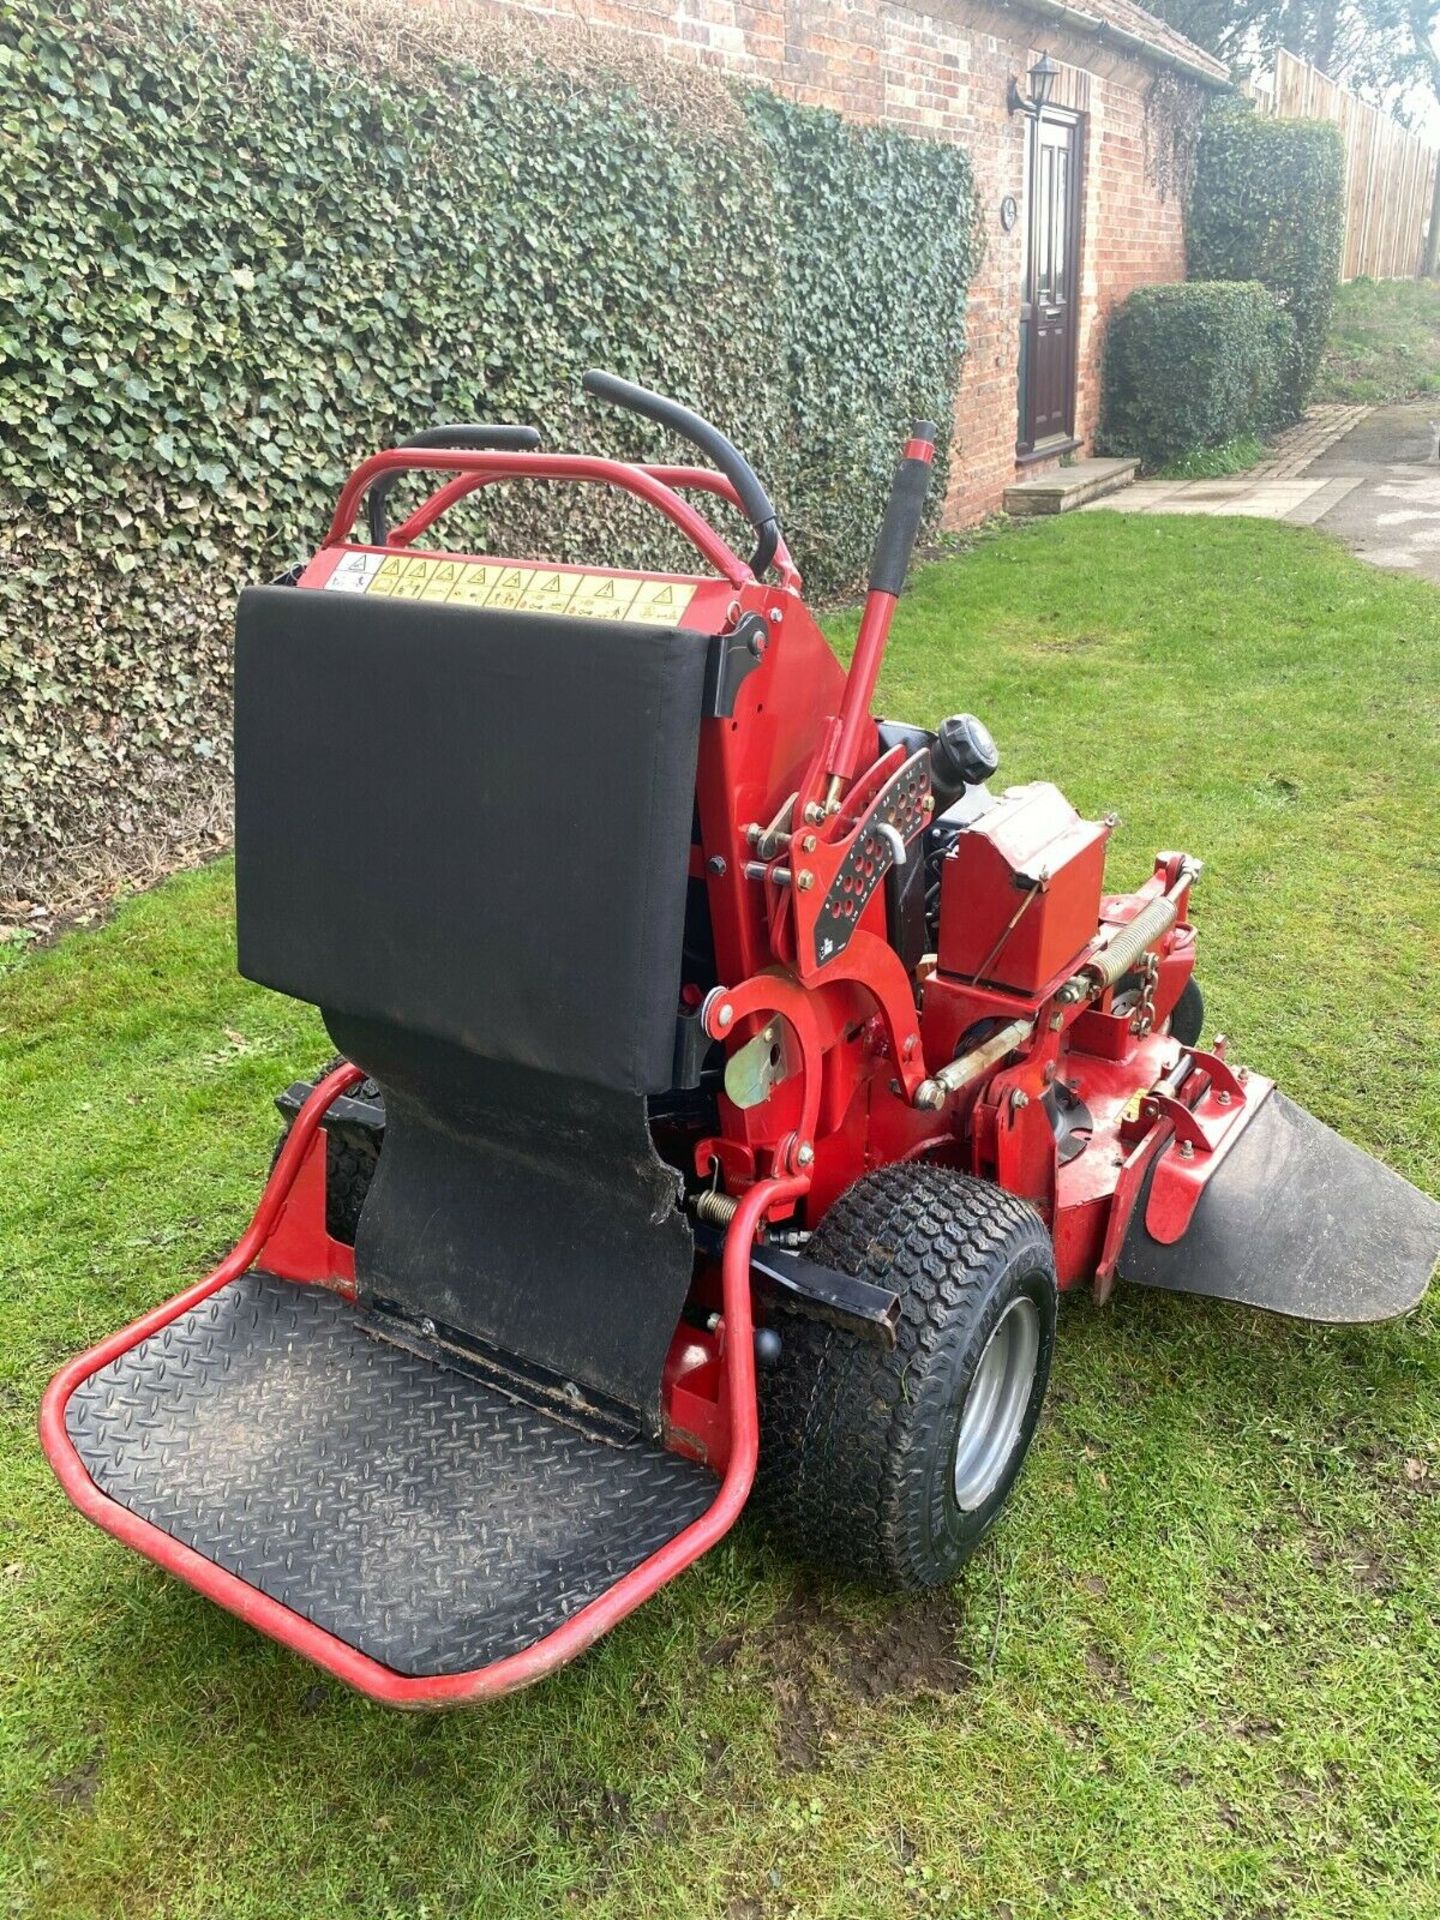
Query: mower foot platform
point(407, 1507)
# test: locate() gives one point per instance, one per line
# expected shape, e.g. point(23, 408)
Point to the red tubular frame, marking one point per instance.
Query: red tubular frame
point(865, 663)
point(482, 469)
point(706, 480)
point(869, 652)
point(701, 479)
point(335, 1656)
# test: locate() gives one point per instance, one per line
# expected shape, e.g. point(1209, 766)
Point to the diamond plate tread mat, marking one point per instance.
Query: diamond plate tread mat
point(410, 1509)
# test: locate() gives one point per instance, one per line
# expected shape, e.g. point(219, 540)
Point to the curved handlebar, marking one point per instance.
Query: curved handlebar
point(476, 439)
point(755, 502)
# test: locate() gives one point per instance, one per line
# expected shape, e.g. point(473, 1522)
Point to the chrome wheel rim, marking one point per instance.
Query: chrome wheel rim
point(994, 1412)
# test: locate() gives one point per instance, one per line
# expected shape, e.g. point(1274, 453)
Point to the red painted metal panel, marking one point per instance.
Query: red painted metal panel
point(1020, 895)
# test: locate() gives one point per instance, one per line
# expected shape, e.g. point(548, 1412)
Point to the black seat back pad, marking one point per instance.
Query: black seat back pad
point(469, 824)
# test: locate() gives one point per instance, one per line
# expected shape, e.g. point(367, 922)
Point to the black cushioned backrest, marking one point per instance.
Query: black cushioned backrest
point(470, 825)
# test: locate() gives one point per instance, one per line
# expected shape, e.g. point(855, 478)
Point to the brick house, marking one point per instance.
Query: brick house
point(1099, 219)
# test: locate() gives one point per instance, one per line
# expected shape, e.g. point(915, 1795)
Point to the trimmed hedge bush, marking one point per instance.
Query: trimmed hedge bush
point(1268, 204)
point(1193, 365)
point(235, 257)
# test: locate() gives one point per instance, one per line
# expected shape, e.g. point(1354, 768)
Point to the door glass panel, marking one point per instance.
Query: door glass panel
point(1059, 263)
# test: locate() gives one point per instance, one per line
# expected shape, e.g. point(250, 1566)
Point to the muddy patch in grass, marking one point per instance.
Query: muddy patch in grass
point(589, 1811)
point(912, 1651)
point(822, 1664)
point(1106, 1672)
point(77, 1788)
point(1045, 646)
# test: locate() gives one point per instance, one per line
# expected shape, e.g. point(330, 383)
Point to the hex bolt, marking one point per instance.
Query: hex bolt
point(804, 880)
point(1187, 1149)
point(427, 1327)
point(1223, 1099)
point(777, 614)
point(809, 843)
point(805, 1154)
point(1018, 1099)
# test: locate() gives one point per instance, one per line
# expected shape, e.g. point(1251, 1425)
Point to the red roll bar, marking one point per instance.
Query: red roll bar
point(474, 470)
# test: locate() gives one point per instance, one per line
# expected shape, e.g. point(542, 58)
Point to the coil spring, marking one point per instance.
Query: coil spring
point(717, 1209)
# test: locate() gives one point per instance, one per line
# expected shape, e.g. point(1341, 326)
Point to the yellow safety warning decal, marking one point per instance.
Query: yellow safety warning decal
point(521, 589)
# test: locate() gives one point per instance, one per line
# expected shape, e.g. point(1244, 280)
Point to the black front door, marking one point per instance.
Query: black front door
point(1050, 306)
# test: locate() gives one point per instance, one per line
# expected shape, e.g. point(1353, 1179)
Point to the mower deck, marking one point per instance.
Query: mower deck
point(407, 1507)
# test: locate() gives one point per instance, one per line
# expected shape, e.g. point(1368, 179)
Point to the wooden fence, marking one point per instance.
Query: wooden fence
point(1389, 173)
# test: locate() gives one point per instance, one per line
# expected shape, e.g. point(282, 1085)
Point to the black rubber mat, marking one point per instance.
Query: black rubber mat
point(410, 1509)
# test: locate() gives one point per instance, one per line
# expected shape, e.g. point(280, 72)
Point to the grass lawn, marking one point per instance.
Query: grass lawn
point(1384, 342)
point(1196, 1670)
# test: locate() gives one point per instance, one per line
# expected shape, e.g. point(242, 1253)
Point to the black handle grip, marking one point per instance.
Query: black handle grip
point(478, 439)
point(758, 507)
point(896, 541)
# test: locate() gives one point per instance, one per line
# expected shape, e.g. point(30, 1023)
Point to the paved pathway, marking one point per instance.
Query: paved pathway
point(1389, 512)
point(1294, 449)
point(1367, 475)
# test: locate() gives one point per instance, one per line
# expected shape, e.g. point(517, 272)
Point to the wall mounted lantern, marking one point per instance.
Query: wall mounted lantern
point(1042, 77)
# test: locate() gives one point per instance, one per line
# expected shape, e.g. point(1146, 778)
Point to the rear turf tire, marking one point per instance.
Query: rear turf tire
point(1187, 1017)
point(351, 1156)
point(869, 1458)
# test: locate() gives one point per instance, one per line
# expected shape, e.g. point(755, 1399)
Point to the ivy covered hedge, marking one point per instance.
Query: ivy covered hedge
point(1268, 204)
point(238, 256)
point(1193, 366)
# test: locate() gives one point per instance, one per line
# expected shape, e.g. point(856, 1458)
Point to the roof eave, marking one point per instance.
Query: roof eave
point(1202, 69)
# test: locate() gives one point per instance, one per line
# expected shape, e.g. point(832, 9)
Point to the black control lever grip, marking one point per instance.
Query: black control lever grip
point(478, 439)
point(896, 540)
point(758, 507)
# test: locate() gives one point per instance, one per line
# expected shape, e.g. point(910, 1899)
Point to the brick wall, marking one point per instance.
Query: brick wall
point(944, 73)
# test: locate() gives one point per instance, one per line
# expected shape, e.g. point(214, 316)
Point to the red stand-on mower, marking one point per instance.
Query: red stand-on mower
point(700, 1023)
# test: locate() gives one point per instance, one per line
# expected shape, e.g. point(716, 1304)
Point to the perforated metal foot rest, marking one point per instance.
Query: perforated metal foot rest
point(408, 1508)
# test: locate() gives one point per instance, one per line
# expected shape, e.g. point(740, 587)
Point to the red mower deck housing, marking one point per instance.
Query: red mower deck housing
point(656, 958)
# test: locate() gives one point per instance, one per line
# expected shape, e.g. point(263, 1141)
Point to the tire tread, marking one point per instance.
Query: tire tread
point(847, 1427)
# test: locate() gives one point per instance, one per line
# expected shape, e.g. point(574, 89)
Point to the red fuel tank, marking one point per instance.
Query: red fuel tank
point(1020, 890)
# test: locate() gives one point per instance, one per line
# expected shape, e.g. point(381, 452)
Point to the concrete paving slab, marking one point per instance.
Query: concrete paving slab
point(1390, 513)
point(1069, 488)
point(1327, 495)
point(1252, 499)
